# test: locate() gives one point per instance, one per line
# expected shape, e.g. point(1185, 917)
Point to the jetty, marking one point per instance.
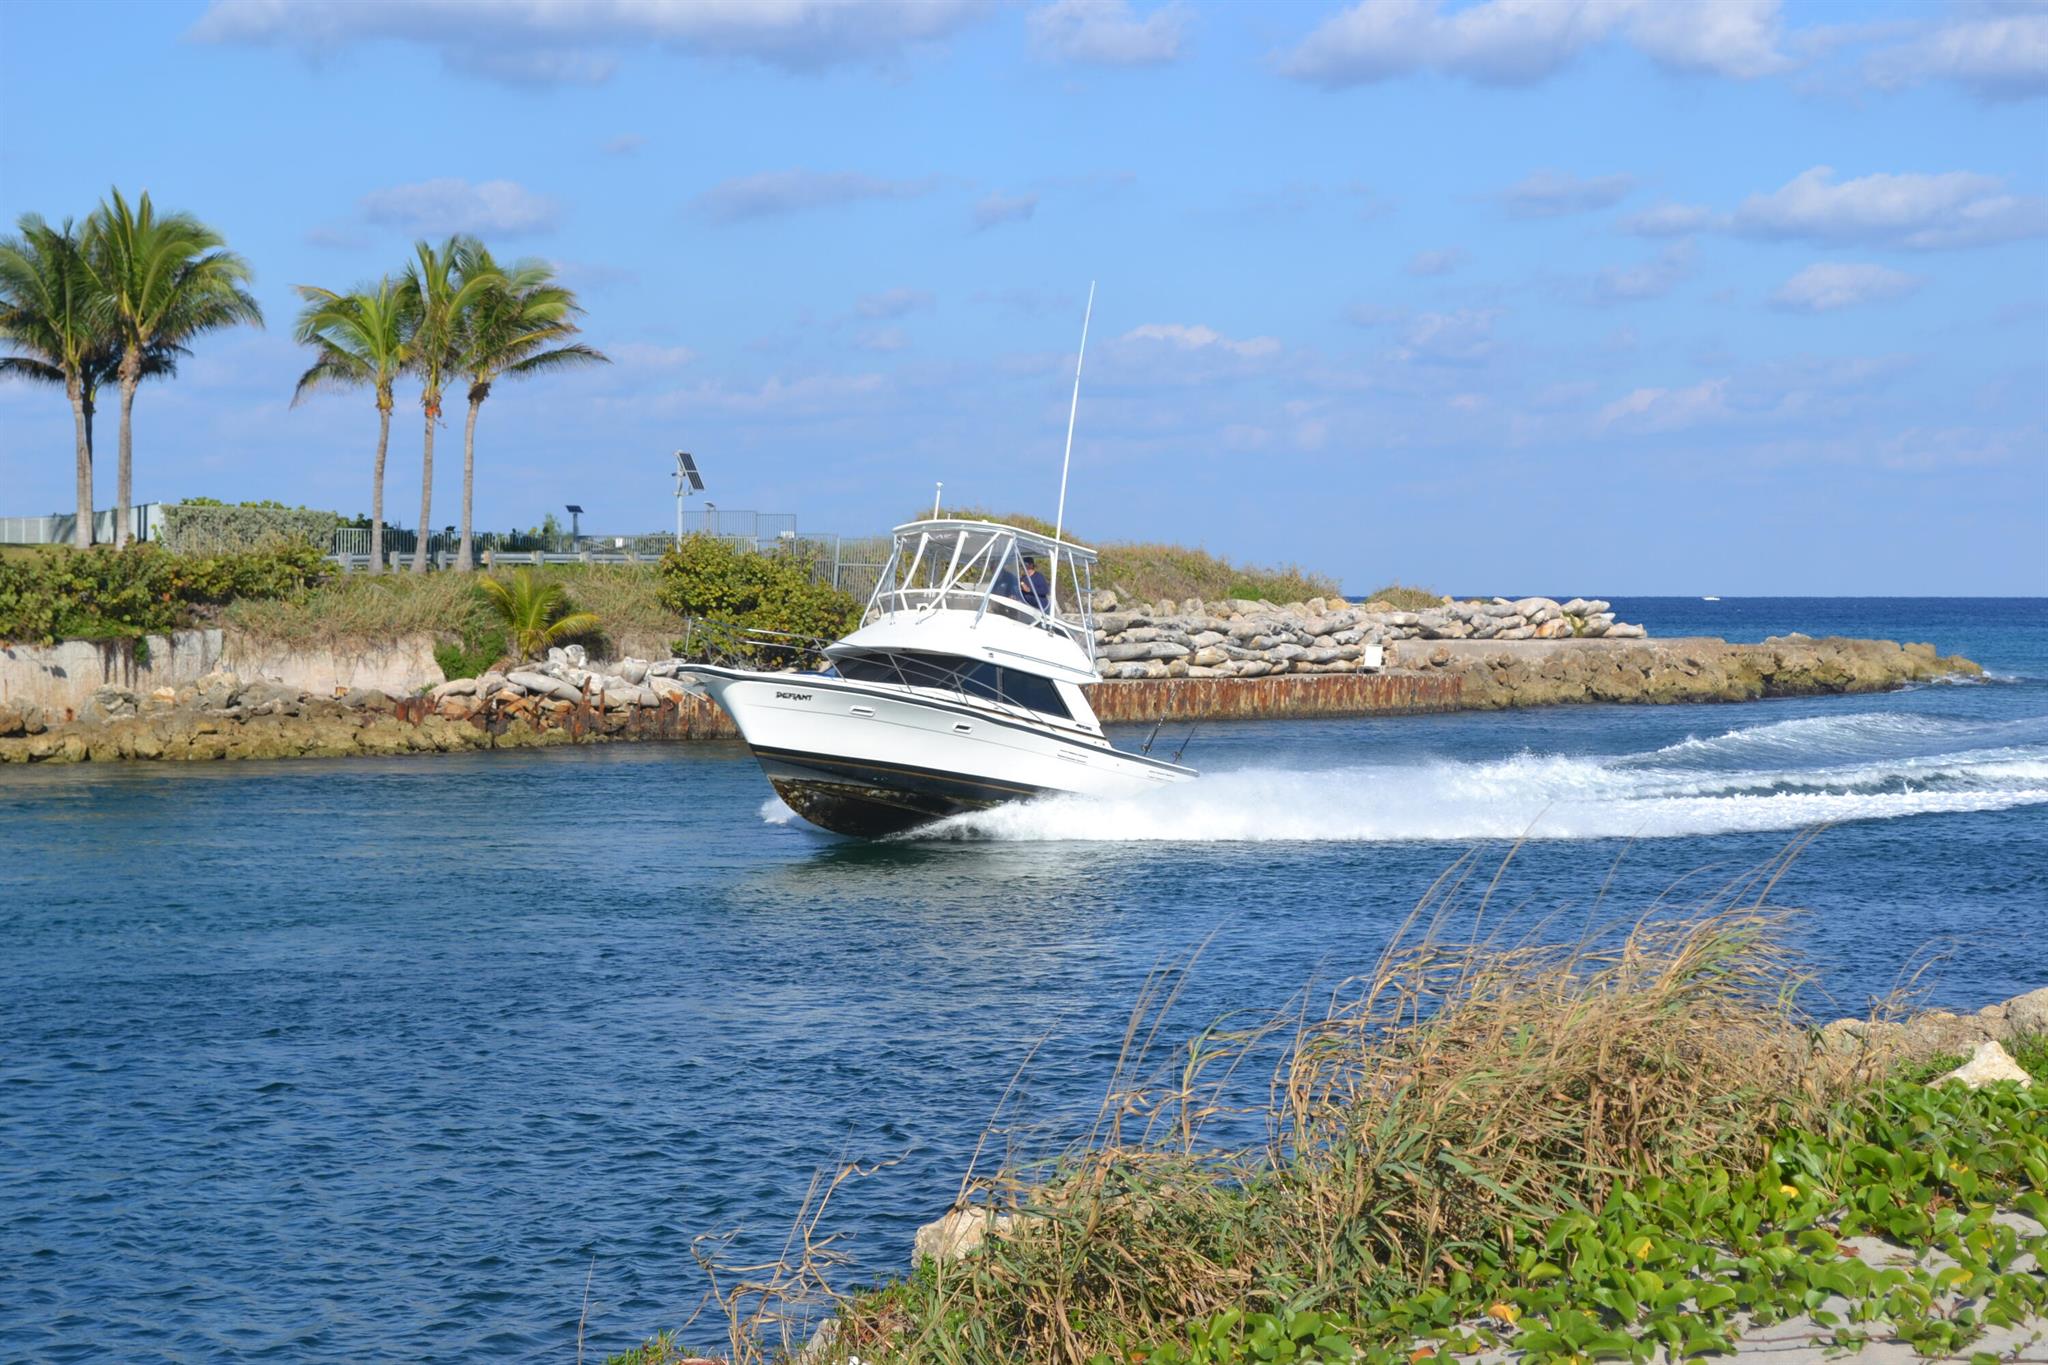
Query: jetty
point(108, 706)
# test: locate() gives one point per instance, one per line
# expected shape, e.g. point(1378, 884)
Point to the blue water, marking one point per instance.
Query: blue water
point(335, 1060)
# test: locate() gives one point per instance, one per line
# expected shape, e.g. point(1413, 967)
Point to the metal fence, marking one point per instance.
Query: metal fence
point(849, 563)
point(145, 522)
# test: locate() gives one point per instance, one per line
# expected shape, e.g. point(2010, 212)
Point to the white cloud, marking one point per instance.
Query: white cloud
point(1003, 208)
point(773, 192)
point(1548, 194)
point(1828, 285)
point(1650, 279)
point(1441, 261)
point(893, 303)
point(437, 207)
point(642, 355)
point(883, 339)
point(1199, 338)
point(1736, 38)
point(567, 41)
point(777, 398)
point(1923, 212)
point(1107, 33)
point(1647, 411)
point(1667, 219)
point(1463, 337)
point(1518, 42)
point(2002, 54)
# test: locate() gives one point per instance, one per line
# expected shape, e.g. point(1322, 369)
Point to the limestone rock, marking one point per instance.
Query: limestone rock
point(957, 1234)
point(1991, 1063)
point(1151, 649)
point(2026, 1016)
point(541, 685)
point(1621, 630)
point(455, 687)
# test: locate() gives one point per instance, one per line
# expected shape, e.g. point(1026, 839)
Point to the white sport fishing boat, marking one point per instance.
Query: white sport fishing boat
point(962, 689)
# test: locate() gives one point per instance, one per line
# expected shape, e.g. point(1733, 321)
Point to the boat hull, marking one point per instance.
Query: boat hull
point(870, 760)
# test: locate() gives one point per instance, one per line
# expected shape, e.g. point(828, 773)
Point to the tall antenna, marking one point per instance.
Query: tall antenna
point(1060, 522)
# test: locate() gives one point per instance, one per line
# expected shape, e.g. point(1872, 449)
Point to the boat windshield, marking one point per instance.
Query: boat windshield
point(983, 567)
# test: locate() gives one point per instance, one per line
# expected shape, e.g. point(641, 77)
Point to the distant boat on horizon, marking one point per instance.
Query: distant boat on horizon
point(1710, 599)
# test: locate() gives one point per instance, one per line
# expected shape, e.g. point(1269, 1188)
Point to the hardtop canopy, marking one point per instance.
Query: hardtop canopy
point(963, 564)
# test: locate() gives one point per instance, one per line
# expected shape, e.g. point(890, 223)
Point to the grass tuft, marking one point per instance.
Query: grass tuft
point(1403, 598)
point(1604, 1148)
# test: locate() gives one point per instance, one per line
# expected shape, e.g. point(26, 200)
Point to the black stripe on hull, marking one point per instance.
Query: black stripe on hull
point(870, 800)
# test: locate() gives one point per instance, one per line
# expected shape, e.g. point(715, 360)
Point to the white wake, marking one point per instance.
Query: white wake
point(1780, 776)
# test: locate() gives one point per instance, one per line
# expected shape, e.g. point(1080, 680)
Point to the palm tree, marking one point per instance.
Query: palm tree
point(162, 281)
point(48, 317)
point(440, 299)
point(512, 331)
point(361, 338)
point(533, 612)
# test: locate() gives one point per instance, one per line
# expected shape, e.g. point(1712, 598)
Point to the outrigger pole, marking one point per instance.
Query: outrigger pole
point(1059, 524)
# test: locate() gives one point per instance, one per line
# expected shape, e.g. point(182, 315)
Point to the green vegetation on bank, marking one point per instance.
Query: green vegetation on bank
point(728, 591)
point(1149, 572)
point(105, 594)
point(1403, 598)
point(1606, 1151)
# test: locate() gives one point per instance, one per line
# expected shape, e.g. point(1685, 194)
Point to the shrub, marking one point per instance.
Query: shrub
point(474, 656)
point(1402, 598)
point(726, 591)
point(104, 593)
point(201, 526)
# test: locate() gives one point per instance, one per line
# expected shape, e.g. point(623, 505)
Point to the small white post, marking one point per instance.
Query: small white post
point(937, 489)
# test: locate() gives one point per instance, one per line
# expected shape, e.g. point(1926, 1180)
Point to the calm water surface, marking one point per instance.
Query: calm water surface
point(372, 1058)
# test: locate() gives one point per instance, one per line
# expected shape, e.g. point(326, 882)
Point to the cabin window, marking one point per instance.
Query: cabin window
point(973, 677)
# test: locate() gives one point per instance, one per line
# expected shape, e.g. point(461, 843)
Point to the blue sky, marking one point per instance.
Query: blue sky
point(1617, 296)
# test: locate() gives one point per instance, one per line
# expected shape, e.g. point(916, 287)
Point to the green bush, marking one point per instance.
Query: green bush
point(201, 526)
point(481, 647)
point(725, 591)
point(1403, 598)
point(104, 593)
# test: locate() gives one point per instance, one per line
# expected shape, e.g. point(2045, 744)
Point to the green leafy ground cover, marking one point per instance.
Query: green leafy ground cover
point(1681, 1264)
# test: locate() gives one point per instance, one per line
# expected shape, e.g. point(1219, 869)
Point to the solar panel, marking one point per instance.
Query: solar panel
point(688, 466)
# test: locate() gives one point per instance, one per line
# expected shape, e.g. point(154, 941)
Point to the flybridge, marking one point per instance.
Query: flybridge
point(986, 568)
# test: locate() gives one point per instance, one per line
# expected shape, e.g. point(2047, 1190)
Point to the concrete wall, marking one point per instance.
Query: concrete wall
point(60, 677)
point(398, 669)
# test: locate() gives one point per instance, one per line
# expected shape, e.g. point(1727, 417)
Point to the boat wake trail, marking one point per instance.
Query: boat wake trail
point(1779, 776)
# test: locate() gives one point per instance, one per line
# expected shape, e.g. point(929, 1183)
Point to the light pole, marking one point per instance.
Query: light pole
point(688, 480)
point(575, 527)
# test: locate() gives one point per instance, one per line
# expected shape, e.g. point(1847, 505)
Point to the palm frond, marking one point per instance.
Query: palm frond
point(35, 371)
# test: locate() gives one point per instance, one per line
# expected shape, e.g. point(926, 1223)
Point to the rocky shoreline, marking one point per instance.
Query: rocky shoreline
point(1240, 639)
point(569, 699)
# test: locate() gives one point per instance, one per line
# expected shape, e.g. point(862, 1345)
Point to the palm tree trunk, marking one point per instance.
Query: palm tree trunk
point(468, 481)
point(419, 549)
point(124, 475)
point(81, 535)
point(377, 490)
